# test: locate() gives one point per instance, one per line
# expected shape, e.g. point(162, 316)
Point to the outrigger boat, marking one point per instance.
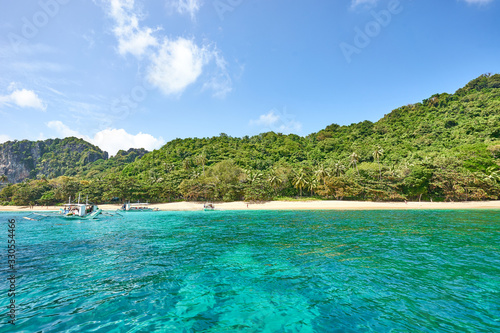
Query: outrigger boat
point(71, 211)
point(80, 211)
point(208, 207)
point(138, 207)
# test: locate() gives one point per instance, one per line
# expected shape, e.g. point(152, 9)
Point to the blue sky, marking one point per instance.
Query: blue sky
point(138, 73)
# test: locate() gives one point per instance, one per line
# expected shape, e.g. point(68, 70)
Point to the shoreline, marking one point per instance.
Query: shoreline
point(292, 205)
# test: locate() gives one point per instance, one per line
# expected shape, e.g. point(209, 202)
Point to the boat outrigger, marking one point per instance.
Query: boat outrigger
point(138, 207)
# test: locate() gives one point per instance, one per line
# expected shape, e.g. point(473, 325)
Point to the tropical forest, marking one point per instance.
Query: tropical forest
point(446, 148)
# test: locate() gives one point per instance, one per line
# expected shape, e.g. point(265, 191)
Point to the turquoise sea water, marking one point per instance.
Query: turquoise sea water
point(382, 271)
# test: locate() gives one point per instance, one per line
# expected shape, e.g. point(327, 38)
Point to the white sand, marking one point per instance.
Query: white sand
point(296, 205)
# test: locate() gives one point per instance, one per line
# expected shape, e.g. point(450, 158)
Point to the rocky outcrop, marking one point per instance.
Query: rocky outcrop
point(20, 160)
point(130, 155)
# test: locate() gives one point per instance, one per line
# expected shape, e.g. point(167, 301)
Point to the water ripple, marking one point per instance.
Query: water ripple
point(389, 271)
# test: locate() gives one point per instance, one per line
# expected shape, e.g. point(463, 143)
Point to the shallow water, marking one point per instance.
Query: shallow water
point(368, 271)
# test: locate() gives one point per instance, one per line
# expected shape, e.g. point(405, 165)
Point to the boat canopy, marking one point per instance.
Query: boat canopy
point(133, 206)
point(75, 209)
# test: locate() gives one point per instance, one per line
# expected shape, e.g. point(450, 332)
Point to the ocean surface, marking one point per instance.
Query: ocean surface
point(258, 271)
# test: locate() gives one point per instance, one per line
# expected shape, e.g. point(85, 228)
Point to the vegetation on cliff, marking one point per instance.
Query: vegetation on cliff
point(46, 159)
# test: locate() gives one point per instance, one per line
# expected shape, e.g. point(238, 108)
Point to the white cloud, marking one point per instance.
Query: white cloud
point(4, 138)
point(23, 98)
point(276, 121)
point(131, 37)
point(90, 38)
point(56, 91)
point(177, 64)
point(190, 7)
point(38, 66)
point(111, 140)
point(478, 2)
point(25, 49)
point(64, 130)
point(220, 81)
point(366, 3)
point(180, 63)
point(174, 63)
point(267, 120)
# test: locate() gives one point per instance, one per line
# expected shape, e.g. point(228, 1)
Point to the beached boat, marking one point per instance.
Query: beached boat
point(138, 207)
point(208, 207)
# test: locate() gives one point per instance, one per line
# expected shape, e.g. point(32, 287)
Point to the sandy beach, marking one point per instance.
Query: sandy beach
point(294, 205)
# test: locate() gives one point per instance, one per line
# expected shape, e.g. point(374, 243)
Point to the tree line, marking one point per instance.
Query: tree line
point(446, 148)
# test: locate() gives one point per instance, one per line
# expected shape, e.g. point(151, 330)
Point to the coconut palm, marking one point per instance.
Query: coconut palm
point(186, 163)
point(338, 168)
point(253, 176)
point(3, 179)
point(312, 184)
point(491, 175)
point(153, 176)
point(321, 173)
point(354, 160)
point(275, 182)
point(377, 154)
point(202, 160)
point(168, 167)
point(300, 181)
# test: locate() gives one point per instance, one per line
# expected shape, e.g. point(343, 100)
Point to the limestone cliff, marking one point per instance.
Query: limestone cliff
point(20, 160)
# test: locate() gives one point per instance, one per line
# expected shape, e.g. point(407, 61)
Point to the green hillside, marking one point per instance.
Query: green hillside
point(445, 148)
point(46, 159)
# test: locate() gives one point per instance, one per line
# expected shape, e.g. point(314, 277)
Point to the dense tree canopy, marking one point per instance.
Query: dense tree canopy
point(445, 148)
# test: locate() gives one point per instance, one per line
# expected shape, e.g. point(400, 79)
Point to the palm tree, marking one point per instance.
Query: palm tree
point(312, 184)
point(338, 168)
point(493, 175)
point(275, 182)
point(377, 154)
point(253, 176)
point(300, 181)
point(168, 167)
point(153, 176)
point(354, 160)
point(202, 160)
point(3, 179)
point(186, 163)
point(321, 173)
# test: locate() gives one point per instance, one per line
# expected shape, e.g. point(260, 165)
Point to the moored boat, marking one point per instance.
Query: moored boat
point(79, 211)
point(70, 211)
point(138, 207)
point(208, 207)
